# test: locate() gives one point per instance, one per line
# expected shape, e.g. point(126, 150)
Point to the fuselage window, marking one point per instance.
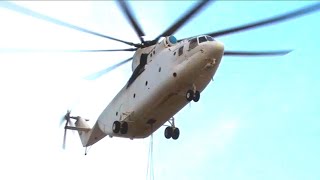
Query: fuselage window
point(202, 39)
point(193, 43)
point(180, 51)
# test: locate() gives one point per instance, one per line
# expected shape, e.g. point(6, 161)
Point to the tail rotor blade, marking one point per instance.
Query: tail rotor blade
point(66, 118)
point(64, 138)
point(61, 121)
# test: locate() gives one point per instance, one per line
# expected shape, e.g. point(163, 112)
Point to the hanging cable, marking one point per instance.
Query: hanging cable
point(150, 173)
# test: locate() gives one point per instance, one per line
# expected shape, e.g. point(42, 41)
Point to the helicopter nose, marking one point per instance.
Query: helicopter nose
point(215, 49)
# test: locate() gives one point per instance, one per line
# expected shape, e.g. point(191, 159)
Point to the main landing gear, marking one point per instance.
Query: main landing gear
point(171, 131)
point(121, 127)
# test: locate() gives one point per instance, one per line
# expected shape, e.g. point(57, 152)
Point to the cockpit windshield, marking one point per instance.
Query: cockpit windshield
point(205, 38)
point(200, 39)
point(193, 43)
point(209, 38)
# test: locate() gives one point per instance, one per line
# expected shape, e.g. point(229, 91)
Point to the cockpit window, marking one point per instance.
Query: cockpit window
point(180, 51)
point(193, 43)
point(209, 38)
point(202, 39)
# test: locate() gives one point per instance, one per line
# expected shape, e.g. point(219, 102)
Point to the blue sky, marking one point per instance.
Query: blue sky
point(258, 119)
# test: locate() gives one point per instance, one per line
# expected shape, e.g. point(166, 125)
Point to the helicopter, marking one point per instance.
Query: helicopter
point(167, 74)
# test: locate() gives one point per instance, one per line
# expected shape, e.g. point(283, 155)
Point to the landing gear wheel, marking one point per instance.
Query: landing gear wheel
point(189, 95)
point(196, 96)
point(168, 132)
point(116, 126)
point(124, 128)
point(176, 133)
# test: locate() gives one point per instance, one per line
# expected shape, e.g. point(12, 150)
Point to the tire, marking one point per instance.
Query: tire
point(168, 132)
point(124, 128)
point(116, 127)
point(189, 95)
point(176, 133)
point(196, 96)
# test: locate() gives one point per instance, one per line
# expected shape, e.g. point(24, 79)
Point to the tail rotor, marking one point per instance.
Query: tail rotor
point(66, 118)
point(80, 125)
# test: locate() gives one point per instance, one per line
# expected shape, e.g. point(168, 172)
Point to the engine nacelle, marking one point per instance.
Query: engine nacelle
point(167, 42)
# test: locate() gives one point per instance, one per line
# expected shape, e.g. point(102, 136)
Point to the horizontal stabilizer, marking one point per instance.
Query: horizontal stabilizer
point(77, 128)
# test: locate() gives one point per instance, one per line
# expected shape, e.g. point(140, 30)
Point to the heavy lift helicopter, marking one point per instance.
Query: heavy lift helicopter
point(167, 75)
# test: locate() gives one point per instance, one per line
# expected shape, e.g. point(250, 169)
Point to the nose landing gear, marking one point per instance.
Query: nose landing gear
point(193, 95)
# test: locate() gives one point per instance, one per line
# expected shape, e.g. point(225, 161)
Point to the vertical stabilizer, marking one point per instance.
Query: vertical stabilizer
point(84, 130)
point(88, 135)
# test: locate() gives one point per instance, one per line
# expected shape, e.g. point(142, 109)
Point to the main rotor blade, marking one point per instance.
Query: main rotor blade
point(101, 50)
point(130, 16)
point(283, 17)
point(105, 71)
point(257, 53)
point(19, 50)
point(193, 11)
point(29, 12)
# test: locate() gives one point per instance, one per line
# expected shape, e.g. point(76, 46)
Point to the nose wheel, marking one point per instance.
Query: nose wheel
point(193, 95)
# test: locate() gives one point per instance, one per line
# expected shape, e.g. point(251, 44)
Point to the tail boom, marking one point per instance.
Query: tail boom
point(88, 135)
